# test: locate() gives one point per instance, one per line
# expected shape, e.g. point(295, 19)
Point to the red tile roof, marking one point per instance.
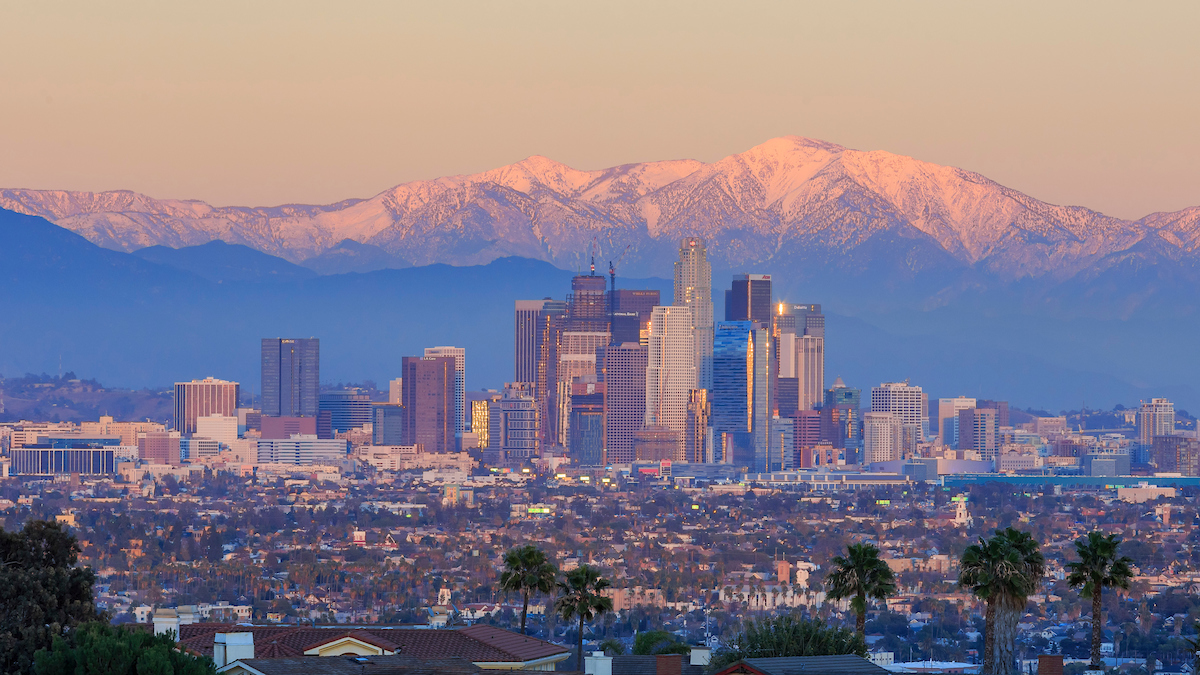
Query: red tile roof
point(478, 644)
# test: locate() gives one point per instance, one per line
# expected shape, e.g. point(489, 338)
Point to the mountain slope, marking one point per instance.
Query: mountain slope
point(782, 204)
point(221, 262)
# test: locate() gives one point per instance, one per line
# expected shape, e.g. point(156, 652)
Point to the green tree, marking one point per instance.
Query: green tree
point(1003, 572)
point(788, 635)
point(580, 597)
point(860, 575)
point(1100, 566)
point(527, 571)
point(100, 649)
point(658, 642)
point(42, 593)
point(1193, 644)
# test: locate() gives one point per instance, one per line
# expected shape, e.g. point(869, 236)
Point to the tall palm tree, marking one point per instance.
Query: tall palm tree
point(527, 571)
point(1100, 566)
point(1003, 572)
point(581, 598)
point(860, 575)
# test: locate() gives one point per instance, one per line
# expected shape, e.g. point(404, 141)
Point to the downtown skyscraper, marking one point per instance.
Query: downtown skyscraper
point(670, 371)
point(693, 288)
point(460, 383)
point(291, 377)
point(741, 400)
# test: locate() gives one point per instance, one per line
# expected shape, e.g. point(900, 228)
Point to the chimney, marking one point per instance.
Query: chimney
point(597, 663)
point(701, 656)
point(669, 664)
point(230, 647)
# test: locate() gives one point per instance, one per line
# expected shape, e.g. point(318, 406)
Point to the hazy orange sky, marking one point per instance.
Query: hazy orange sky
point(263, 103)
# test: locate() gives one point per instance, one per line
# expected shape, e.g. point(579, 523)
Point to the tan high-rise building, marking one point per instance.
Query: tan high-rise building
point(693, 288)
point(947, 419)
point(201, 398)
point(670, 370)
point(883, 437)
point(1155, 418)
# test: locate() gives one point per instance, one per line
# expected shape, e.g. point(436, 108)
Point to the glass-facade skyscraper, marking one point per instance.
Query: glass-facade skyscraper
point(291, 376)
point(741, 401)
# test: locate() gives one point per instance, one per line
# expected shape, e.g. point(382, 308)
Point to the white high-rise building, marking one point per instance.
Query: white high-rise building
point(810, 370)
point(947, 419)
point(693, 288)
point(883, 437)
point(395, 390)
point(670, 370)
point(909, 404)
point(1156, 418)
point(460, 384)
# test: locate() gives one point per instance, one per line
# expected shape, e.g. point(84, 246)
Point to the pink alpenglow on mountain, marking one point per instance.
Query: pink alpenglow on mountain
point(785, 202)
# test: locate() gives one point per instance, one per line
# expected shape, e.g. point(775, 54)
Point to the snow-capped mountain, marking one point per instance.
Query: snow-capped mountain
point(789, 203)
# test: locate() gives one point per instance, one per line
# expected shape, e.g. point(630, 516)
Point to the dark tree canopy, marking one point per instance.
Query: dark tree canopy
point(42, 592)
point(100, 649)
point(785, 635)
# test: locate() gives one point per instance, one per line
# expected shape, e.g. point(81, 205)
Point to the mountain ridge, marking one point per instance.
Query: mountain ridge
point(778, 204)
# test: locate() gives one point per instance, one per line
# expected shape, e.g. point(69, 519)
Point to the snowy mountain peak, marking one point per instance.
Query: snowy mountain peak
point(789, 201)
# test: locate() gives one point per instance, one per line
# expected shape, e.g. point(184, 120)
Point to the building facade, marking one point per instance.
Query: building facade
point(460, 383)
point(670, 370)
point(693, 288)
point(624, 374)
point(200, 398)
point(429, 402)
point(291, 377)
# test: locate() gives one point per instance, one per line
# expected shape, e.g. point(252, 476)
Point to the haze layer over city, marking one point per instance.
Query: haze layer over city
point(668, 338)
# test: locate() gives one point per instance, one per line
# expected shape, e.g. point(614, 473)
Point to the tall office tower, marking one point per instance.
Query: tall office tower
point(1156, 418)
point(806, 434)
point(552, 320)
point(429, 402)
point(696, 445)
point(576, 360)
point(396, 390)
point(626, 327)
point(625, 392)
point(782, 441)
point(1001, 408)
point(460, 383)
point(587, 422)
point(513, 434)
point(387, 424)
point(528, 331)
point(639, 301)
point(841, 420)
point(749, 299)
point(693, 288)
point(348, 409)
point(670, 370)
point(291, 377)
point(741, 400)
point(909, 404)
point(947, 419)
point(883, 437)
point(200, 398)
point(977, 431)
point(810, 370)
point(809, 319)
point(587, 305)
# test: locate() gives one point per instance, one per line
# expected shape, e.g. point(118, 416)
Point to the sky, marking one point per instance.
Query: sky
point(263, 103)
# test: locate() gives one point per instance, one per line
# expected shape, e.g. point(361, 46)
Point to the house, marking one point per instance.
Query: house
point(846, 664)
point(487, 647)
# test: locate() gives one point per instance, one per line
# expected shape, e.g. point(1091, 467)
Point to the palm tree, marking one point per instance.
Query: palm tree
point(1003, 572)
point(527, 571)
point(1100, 566)
point(1194, 645)
point(581, 598)
point(860, 575)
